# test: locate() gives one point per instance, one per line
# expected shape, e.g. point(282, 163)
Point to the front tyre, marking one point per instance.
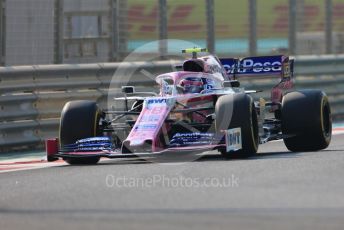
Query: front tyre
point(234, 111)
point(79, 120)
point(306, 118)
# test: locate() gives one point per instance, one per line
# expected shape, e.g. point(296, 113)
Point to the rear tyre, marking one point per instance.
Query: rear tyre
point(79, 120)
point(234, 111)
point(306, 116)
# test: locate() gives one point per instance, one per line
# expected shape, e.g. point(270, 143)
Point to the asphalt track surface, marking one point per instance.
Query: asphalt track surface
point(275, 190)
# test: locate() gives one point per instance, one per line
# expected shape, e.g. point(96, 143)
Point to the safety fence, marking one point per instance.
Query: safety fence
point(32, 97)
point(36, 32)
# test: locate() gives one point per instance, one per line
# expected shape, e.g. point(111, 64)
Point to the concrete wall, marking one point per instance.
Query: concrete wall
point(84, 21)
point(29, 32)
point(86, 5)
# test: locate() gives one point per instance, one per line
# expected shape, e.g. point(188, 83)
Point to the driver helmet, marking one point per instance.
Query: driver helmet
point(192, 85)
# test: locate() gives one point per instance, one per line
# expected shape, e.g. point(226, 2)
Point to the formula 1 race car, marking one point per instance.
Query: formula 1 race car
point(200, 108)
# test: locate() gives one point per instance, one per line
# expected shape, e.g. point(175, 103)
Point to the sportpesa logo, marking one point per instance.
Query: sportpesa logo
point(270, 64)
point(249, 65)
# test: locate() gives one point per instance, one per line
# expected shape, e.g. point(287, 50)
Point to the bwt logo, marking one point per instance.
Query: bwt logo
point(249, 66)
point(157, 101)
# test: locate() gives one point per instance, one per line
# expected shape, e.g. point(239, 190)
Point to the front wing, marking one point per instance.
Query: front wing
point(53, 153)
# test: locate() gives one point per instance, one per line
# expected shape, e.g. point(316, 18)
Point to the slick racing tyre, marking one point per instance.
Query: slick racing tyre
point(306, 118)
point(238, 111)
point(79, 120)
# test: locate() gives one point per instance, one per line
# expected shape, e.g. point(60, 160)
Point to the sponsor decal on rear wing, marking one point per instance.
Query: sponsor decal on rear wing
point(278, 65)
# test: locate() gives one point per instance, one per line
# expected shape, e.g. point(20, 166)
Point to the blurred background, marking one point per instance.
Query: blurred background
point(84, 31)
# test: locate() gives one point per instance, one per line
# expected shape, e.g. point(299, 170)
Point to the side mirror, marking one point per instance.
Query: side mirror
point(128, 89)
point(232, 83)
point(178, 67)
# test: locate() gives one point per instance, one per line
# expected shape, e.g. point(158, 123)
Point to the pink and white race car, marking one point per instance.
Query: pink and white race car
point(200, 108)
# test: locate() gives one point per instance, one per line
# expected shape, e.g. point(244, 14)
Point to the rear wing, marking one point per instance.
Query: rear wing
point(278, 65)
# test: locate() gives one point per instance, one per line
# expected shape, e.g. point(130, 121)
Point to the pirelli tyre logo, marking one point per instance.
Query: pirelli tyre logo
point(233, 139)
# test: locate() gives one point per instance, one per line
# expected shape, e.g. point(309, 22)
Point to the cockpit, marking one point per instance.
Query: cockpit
point(198, 75)
point(179, 83)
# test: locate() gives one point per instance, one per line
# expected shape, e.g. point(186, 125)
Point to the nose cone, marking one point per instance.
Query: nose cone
point(142, 146)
